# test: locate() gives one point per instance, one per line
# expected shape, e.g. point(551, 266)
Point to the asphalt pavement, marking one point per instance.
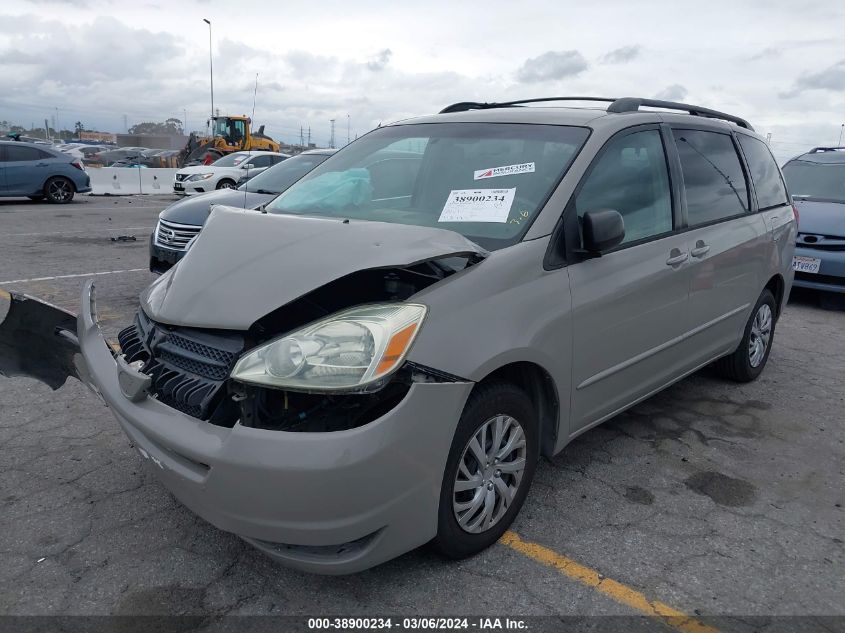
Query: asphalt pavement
point(711, 498)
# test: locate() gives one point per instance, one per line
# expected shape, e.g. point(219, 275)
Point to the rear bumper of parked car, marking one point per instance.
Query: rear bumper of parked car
point(329, 503)
point(831, 275)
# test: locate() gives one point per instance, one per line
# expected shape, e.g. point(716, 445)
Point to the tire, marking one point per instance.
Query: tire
point(747, 361)
point(225, 183)
point(487, 406)
point(59, 190)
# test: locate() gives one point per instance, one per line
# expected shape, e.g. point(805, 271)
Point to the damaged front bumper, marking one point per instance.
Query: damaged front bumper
point(334, 502)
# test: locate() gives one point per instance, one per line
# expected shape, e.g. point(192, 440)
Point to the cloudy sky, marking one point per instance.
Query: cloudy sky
point(778, 63)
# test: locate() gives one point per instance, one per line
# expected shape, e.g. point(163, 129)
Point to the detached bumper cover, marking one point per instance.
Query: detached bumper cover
point(322, 502)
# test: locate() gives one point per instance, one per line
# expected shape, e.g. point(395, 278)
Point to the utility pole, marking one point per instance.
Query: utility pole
point(331, 141)
point(769, 138)
point(841, 128)
point(46, 130)
point(125, 125)
point(57, 126)
point(210, 65)
point(309, 136)
point(185, 121)
point(301, 137)
point(348, 124)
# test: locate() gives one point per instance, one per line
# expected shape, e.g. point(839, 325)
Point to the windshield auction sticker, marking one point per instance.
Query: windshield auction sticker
point(507, 170)
point(478, 205)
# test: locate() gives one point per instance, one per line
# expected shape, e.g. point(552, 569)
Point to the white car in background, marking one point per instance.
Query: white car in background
point(223, 173)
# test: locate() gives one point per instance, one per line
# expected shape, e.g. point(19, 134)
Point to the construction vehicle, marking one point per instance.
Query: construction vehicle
point(228, 134)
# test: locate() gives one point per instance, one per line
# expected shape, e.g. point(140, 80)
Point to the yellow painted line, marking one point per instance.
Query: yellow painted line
point(5, 295)
point(609, 587)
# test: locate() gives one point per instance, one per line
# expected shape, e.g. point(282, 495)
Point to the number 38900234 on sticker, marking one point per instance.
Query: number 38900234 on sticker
point(478, 205)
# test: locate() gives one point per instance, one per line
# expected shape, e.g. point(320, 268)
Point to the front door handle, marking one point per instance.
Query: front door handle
point(676, 257)
point(700, 250)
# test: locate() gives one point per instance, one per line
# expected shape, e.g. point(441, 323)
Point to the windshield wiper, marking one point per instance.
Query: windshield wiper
point(272, 193)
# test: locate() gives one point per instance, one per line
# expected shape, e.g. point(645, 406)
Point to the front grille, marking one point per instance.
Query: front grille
point(175, 236)
point(188, 366)
point(181, 177)
point(821, 242)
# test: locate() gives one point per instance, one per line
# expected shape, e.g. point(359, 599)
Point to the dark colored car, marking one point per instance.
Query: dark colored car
point(816, 181)
point(40, 173)
point(180, 222)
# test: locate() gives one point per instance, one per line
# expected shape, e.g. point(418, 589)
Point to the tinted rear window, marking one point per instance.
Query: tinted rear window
point(713, 177)
point(825, 181)
point(764, 172)
point(25, 153)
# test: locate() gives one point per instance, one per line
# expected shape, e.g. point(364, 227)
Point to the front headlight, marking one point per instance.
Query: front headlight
point(196, 177)
point(351, 351)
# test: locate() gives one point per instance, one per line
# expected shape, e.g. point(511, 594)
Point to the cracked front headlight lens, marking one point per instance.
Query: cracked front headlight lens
point(354, 350)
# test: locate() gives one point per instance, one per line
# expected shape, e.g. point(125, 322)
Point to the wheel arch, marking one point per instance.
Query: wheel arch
point(777, 286)
point(537, 382)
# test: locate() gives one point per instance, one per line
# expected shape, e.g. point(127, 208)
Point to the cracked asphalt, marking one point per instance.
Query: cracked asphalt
point(711, 497)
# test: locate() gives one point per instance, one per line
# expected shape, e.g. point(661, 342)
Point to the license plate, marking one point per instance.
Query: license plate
point(178, 186)
point(803, 264)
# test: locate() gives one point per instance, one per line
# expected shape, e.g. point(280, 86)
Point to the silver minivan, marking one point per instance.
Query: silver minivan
point(379, 357)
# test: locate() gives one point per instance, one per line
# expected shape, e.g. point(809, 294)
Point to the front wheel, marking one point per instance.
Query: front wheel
point(749, 359)
point(489, 470)
point(226, 184)
point(58, 190)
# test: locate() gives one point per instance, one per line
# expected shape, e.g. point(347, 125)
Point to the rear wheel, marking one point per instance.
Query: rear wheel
point(59, 190)
point(749, 359)
point(489, 470)
point(225, 183)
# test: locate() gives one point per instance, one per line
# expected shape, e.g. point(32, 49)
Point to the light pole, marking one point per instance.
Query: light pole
point(841, 127)
point(210, 66)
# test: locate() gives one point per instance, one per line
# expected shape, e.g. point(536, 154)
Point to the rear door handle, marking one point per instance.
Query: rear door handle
point(700, 250)
point(676, 257)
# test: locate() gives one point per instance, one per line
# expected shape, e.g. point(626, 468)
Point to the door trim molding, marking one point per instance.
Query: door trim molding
point(659, 348)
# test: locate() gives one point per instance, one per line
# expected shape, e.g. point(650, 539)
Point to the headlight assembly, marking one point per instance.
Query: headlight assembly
point(197, 177)
point(351, 351)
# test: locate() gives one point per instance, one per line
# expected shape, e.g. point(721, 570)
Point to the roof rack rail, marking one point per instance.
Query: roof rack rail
point(463, 106)
point(632, 104)
point(625, 104)
point(817, 150)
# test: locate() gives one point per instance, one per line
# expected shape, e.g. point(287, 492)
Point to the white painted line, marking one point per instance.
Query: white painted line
point(120, 228)
point(105, 272)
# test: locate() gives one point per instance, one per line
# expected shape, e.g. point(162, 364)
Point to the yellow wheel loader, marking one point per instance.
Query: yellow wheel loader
point(228, 134)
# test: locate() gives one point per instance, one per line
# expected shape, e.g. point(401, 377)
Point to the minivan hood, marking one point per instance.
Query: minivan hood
point(821, 218)
point(195, 209)
point(245, 264)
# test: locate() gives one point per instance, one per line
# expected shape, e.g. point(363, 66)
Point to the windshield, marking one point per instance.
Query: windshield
point(230, 160)
point(281, 176)
point(486, 181)
point(816, 180)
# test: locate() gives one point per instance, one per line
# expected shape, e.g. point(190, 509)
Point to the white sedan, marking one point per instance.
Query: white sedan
point(223, 173)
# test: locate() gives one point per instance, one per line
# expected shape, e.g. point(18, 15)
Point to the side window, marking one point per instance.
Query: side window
point(22, 153)
point(713, 177)
point(261, 161)
point(764, 172)
point(631, 177)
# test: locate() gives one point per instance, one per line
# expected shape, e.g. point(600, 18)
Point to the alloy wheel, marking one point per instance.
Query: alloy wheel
point(761, 332)
point(59, 190)
point(489, 474)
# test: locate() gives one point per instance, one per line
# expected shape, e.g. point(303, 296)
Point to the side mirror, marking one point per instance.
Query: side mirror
point(603, 229)
point(248, 166)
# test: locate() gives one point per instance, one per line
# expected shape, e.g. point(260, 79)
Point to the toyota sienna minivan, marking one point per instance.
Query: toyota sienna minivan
point(379, 358)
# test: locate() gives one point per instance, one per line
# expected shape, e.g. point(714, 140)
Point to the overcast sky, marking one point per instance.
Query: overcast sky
point(778, 63)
